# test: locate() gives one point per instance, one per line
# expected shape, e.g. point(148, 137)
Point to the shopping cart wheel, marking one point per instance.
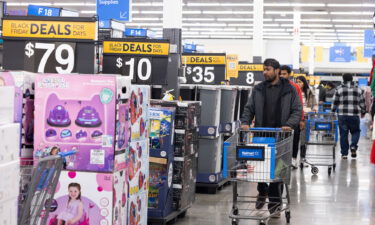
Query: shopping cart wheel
point(234, 222)
point(261, 223)
point(334, 167)
point(287, 217)
point(235, 211)
point(329, 171)
point(314, 170)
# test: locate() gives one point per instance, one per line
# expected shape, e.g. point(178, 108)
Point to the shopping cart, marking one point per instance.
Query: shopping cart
point(321, 130)
point(259, 155)
point(325, 107)
point(37, 188)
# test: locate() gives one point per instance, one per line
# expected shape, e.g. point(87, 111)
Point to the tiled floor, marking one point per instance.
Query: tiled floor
point(345, 198)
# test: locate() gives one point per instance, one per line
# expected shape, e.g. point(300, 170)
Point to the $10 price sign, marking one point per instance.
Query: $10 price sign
point(143, 60)
point(49, 44)
point(204, 68)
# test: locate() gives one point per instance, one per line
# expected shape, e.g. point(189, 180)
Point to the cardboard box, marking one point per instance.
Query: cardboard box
point(9, 185)
point(139, 104)
point(79, 112)
point(8, 212)
point(103, 197)
point(9, 142)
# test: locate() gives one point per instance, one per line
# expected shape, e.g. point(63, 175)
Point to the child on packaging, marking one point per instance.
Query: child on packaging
point(74, 208)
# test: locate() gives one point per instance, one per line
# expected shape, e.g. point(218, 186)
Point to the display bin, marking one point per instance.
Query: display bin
point(228, 99)
point(210, 96)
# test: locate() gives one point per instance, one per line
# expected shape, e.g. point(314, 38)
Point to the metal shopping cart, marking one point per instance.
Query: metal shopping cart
point(321, 130)
point(259, 155)
point(325, 107)
point(37, 188)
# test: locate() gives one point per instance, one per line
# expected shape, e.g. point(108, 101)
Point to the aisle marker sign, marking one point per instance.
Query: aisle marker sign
point(49, 29)
point(114, 9)
point(144, 61)
point(339, 54)
point(36, 10)
point(203, 68)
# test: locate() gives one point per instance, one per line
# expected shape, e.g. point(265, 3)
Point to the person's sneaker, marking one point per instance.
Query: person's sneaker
point(294, 163)
point(344, 157)
point(275, 212)
point(261, 201)
point(353, 150)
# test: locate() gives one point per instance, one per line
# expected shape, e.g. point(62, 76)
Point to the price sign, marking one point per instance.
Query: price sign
point(249, 74)
point(204, 68)
point(143, 61)
point(50, 45)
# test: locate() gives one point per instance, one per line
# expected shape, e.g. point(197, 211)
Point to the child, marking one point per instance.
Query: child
point(74, 208)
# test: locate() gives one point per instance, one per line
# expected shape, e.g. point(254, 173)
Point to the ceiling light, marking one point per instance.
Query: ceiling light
point(347, 26)
point(146, 19)
point(228, 37)
point(198, 19)
point(295, 4)
point(147, 4)
point(318, 34)
point(235, 19)
point(88, 11)
point(223, 33)
point(239, 25)
point(315, 20)
point(277, 37)
point(191, 12)
point(204, 24)
point(271, 25)
point(351, 5)
point(203, 4)
point(292, 12)
point(316, 25)
point(277, 33)
point(227, 12)
point(210, 29)
point(284, 20)
point(245, 29)
point(151, 12)
point(273, 29)
point(314, 30)
point(351, 21)
point(195, 36)
point(351, 31)
point(352, 13)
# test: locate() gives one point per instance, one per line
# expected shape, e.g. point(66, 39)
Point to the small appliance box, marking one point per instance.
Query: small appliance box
point(90, 198)
point(139, 104)
point(161, 131)
point(9, 142)
point(80, 112)
point(9, 185)
point(138, 170)
point(160, 194)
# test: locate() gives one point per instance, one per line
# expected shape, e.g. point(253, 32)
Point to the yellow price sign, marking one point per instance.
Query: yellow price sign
point(250, 67)
point(203, 59)
point(136, 48)
point(49, 29)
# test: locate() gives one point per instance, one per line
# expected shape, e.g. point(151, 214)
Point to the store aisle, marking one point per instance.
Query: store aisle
point(346, 198)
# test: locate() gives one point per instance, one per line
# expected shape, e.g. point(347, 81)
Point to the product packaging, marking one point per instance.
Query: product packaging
point(9, 142)
point(139, 104)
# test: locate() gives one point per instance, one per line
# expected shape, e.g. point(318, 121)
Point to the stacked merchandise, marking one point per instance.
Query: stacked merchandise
point(187, 121)
point(9, 157)
point(160, 195)
point(90, 114)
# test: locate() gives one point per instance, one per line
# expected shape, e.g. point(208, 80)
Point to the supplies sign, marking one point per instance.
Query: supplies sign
point(144, 61)
point(49, 29)
point(204, 68)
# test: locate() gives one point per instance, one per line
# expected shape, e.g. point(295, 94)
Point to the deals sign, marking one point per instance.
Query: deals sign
point(49, 44)
point(249, 74)
point(204, 68)
point(145, 61)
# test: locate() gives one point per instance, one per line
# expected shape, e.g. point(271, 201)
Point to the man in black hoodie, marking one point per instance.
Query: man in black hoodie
point(273, 103)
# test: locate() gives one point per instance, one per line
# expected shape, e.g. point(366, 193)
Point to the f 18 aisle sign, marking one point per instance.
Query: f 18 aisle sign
point(204, 68)
point(249, 74)
point(49, 44)
point(143, 60)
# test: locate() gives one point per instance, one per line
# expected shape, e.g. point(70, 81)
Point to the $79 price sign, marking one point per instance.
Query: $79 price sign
point(50, 57)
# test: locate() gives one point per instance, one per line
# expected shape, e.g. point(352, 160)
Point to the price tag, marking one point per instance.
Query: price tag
point(249, 74)
point(49, 44)
point(204, 68)
point(144, 61)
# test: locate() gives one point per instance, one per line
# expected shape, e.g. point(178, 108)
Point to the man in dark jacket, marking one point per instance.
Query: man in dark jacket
point(273, 103)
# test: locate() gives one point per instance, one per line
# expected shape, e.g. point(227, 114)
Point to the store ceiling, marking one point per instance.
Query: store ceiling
point(323, 20)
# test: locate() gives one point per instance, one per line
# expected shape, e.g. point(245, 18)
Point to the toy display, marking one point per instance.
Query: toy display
point(79, 112)
point(139, 103)
point(84, 198)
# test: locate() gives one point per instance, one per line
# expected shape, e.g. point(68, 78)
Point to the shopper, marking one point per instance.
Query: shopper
point(273, 103)
point(349, 103)
point(326, 93)
point(285, 72)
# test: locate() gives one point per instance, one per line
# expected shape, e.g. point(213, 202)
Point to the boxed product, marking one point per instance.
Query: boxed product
point(90, 198)
point(184, 179)
point(138, 170)
point(160, 194)
point(79, 112)
point(161, 131)
point(9, 97)
point(8, 212)
point(139, 103)
point(186, 142)
point(9, 185)
point(9, 142)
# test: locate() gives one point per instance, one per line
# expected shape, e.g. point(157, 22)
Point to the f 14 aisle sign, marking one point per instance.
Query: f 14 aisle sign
point(204, 68)
point(143, 60)
point(49, 44)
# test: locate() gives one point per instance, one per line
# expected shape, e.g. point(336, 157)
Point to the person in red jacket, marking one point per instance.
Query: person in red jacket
point(285, 72)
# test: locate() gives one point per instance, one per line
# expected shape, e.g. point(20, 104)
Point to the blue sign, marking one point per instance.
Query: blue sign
point(339, 54)
point(250, 153)
point(362, 82)
point(104, 24)
point(369, 49)
point(190, 48)
point(113, 9)
point(130, 32)
point(36, 10)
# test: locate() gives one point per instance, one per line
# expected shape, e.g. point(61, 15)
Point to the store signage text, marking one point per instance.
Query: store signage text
point(139, 48)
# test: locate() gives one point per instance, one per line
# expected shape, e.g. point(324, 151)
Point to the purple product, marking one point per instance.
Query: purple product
point(88, 117)
point(96, 133)
point(51, 133)
point(58, 117)
point(81, 134)
point(65, 133)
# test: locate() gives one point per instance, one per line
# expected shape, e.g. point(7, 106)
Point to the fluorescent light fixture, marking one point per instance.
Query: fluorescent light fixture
point(147, 4)
point(351, 21)
point(351, 31)
point(295, 4)
point(203, 4)
point(350, 35)
point(277, 34)
point(345, 25)
point(146, 19)
point(228, 37)
point(28, 3)
point(195, 36)
point(302, 12)
point(239, 25)
point(190, 33)
point(314, 30)
point(267, 20)
point(278, 37)
point(273, 29)
point(284, 20)
point(316, 25)
point(315, 20)
point(271, 25)
point(319, 34)
point(352, 13)
point(144, 24)
point(204, 24)
point(198, 19)
point(224, 33)
point(245, 29)
point(88, 11)
point(351, 5)
point(210, 29)
point(227, 12)
point(219, 4)
point(151, 12)
point(235, 19)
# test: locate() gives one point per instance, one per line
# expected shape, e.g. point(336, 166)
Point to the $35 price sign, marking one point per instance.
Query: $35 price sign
point(144, 61)
point(50, 57)
point(204, 68)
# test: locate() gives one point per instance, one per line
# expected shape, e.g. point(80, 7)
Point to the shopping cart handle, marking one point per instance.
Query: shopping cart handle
point(265, 129)
point(320, 113)
point(68, 153)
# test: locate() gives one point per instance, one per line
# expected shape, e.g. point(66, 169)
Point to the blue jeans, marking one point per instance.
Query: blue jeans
point(346, 124)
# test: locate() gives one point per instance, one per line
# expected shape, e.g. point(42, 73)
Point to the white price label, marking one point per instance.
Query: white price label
point(97, 156)
point(143, 68)
point(199, 74)
point(250, 78)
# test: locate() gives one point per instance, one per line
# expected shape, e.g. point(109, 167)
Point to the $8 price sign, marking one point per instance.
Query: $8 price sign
point(132, 66)
point(249, 74)
point(52, 57)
